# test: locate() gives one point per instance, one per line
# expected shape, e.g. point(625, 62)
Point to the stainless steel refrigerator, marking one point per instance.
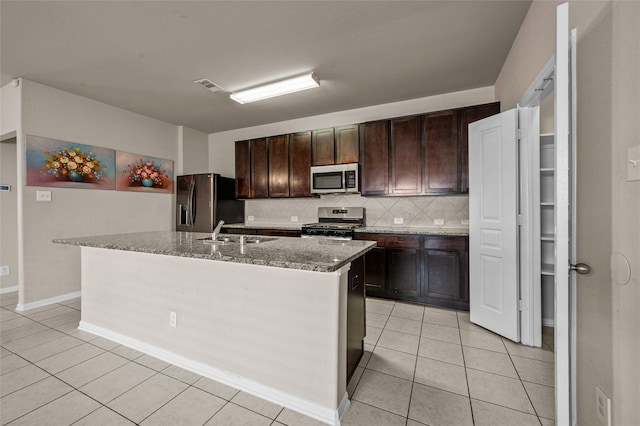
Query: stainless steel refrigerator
point(204, 199)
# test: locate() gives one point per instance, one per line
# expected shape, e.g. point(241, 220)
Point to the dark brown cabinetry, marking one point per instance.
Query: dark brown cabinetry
point(467, 116)
point(299, 164)
point(445, 280)
point(252, 169)
point(441, 153)
point(322, 147)
point(356, 327)
point(406, 155)
point(347, 144)
point(243, 169)
point(279, 232)
point(278, 166)
point(374, 158)
point(426, 269)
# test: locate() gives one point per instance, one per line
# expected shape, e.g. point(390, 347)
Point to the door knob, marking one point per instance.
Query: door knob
point(581, 268)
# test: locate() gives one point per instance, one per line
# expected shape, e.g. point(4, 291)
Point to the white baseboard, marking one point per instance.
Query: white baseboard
point(8, 289)
point(307, 408)
point(49, 301)
point(548, 322)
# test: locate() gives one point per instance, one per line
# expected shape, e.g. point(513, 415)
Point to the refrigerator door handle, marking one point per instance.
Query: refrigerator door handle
point(192, 202)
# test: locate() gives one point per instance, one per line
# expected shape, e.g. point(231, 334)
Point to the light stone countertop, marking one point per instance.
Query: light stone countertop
point(406, 230)
point(309, 254)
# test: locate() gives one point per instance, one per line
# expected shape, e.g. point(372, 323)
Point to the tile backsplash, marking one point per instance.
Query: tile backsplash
point(442, 211)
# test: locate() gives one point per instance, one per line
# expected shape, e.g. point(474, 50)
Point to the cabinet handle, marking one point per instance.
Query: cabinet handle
point(355, 282)
point(373, 285)
point(395, 290)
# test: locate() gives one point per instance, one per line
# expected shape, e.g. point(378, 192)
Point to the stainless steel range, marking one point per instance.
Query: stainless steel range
point(337, 223)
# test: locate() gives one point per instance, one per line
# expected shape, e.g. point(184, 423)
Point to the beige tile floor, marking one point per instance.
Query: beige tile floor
point(422, 366)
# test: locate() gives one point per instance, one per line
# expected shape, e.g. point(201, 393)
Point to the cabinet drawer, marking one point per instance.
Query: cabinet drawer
point(445, 243)
point(392, 240)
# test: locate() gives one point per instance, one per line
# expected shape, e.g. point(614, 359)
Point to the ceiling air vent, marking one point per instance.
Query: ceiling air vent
point(209, 85)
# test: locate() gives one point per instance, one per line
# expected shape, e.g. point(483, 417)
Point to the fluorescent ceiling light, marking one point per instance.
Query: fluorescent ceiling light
point(295, 84)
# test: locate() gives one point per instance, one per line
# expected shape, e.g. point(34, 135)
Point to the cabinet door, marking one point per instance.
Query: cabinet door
point(374, 272)
point(279, 232)
point(466, 116)
point(406, 155)
point(347, 144)
point(322, 147)
point(300, 164)
point(374, 158)
point(356, 328)
point(259, 168)
point(445, 280)
point(279, 166)
point(441, 153)
point(243, 169)
point(404, 272)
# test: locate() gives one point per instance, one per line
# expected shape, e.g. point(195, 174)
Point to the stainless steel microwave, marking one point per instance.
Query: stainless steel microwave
point(338, 178)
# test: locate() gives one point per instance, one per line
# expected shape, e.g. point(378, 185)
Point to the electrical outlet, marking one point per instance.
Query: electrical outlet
point(43, 195)
point(250, 218)
point(438, 222)
point(4, 270)
point(294, 218)
point(173, 319)
point(398, 220)
point(464, 222)
point(603, 407)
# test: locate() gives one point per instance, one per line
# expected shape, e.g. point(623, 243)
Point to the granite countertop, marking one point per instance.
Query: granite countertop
point(427, 230)
point(307, 254)
point(413, 230)
point(285, 226)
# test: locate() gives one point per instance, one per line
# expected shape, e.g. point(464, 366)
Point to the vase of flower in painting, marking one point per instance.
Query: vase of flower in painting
point(147, 182)
point(74, 176)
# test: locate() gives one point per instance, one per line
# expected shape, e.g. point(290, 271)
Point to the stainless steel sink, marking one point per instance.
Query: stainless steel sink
point(235, 239)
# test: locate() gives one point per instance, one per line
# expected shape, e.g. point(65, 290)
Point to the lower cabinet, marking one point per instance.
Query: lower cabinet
point(356, 327)
point(427, 269)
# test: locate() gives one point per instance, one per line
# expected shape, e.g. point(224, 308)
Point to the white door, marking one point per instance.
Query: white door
point(565, 113)
point(493, 237)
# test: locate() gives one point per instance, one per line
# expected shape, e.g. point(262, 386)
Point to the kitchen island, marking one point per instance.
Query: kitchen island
point(268, 317)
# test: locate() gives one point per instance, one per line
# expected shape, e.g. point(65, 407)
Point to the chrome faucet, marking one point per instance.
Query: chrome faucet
point(216, 231)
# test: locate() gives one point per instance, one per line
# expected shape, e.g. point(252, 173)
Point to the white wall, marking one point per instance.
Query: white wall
point(53, 270)
point(221, 145)
point(194, 151)
point(9, 110)
point(9, 214)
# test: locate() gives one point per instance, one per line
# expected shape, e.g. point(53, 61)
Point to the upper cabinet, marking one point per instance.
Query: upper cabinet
point(252, 169)
point(322, 147)
point(337, 145)
point(406, 155)
point(374, 158)
point(278, 166)
point(259, 168)
point(300, 164)
point(243, 169)
point(466, 116)
point(417, 155)
point(441, 153)
point(347, 144)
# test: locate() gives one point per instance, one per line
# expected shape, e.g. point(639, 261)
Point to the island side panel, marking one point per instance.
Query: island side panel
point(282, 328)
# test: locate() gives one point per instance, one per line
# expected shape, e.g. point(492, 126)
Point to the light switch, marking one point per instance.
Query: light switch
point(43, 195)
point(633, 163)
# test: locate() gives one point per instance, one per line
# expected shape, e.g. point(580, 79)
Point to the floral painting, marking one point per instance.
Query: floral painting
point(135, 172)
point(52, 162)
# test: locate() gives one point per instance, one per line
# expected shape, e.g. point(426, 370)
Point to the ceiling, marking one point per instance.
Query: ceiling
point(143, 56)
